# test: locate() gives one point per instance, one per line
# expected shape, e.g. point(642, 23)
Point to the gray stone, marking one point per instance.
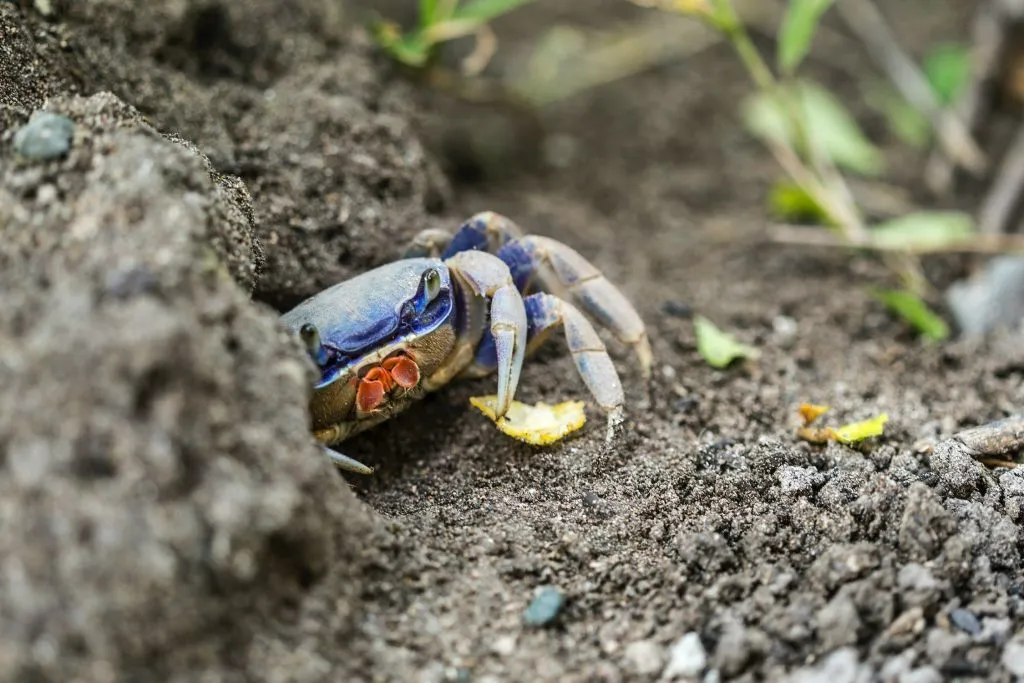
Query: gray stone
point(992, 298)
point(965, 621)
point(46, 136)
point(545, 607)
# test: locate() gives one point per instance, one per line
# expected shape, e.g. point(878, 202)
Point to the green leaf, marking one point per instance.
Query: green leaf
point(797, 31)
point(787, 201)
point(834, 131)
point(905, 121)
point(428, 11)
point(913, 310)
point(859, 431)
point(483, 11)
point(948, 69)
point(924, 230)
point(718, 348)
point(412, 49)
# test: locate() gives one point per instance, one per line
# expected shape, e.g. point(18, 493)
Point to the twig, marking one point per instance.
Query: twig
point(867, 22)
point(1005, 192)
point(994, 443)
point(821, 237)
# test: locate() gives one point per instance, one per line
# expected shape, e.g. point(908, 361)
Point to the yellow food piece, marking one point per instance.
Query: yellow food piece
point(858, 431)
point(540, 424)
point(810, 412)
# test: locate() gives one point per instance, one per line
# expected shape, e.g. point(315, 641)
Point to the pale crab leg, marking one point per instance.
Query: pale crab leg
point(346, 463)
point(555, 267)
point(544, 313)
point(486, 277)
point(430, 243)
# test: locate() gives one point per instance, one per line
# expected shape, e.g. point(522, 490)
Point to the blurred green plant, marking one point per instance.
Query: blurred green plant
point(440, 21)
point(913, 310)
point(815, 139)
point(947, 69)
point(719, 349)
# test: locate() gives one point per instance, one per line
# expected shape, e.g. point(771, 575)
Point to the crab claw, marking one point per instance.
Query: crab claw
point(372, 389)
point(488, 277)
point(404, 371)
point(508, 326)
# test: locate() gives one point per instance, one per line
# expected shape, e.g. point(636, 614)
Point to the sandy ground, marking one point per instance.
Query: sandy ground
point(165, 515)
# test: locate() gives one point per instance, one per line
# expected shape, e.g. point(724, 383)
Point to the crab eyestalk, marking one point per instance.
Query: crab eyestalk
point(311, 338)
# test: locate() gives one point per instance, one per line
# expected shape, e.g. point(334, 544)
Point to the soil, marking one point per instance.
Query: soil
point(166, 516)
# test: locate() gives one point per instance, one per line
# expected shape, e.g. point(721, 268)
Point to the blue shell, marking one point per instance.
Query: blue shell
point(373, 309)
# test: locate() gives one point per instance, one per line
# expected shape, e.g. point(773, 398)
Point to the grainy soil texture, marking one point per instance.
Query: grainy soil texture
point(166, 516)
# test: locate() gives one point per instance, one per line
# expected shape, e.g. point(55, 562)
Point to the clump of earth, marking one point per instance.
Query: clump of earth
point(167, 516)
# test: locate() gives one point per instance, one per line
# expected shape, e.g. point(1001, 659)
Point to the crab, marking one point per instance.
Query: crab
point(462, 305)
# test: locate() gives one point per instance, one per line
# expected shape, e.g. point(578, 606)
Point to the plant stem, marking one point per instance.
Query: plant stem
point(819, 178)
point(728, 22)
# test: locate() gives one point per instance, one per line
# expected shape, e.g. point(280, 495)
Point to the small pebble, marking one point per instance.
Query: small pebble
point(644, 657)
point(965, 621)
point(687, 658)
point(677, 309)
point(990, 299)
point(46, 136)
point(786, 330)
point(504, 646)
point(1013, 657)
point(545, 607)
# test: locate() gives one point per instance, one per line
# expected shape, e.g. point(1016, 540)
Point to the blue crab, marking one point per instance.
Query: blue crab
point(463, 305)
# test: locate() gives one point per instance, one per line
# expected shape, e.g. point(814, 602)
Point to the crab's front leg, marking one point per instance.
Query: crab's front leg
point(540, 263)
point(486, 277)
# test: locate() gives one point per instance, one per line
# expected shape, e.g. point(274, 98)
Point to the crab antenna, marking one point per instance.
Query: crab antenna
point(311, 337)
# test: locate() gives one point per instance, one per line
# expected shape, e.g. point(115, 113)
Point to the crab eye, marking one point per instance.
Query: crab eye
point(311, 338)
point(431, 284)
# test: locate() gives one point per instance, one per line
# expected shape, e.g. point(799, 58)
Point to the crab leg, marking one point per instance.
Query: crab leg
point(346, 463)
point(544, 313)
point(555, 267)
point(486, 277)
point(485, 231)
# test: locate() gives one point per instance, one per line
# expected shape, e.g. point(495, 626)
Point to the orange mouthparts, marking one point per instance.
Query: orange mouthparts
point(399, 371)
